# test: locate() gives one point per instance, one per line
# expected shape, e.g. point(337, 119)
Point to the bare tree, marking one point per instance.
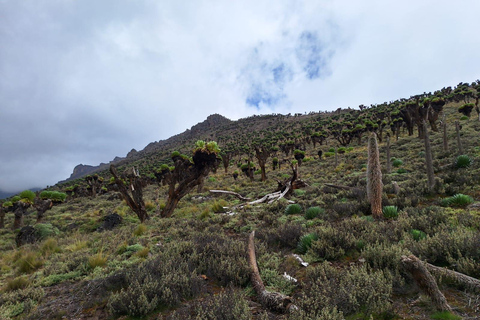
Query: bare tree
point(187, 174)
point(133, 194)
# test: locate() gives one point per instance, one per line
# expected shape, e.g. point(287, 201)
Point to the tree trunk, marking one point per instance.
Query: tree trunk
point(271, 300)
point(374, 178)
point(20, 208)
point(389, 165)
point(170, 206)
point(425, 282)
point(2, 217)
point(459, 141)
point(445, 140)
point(42, 206)
point(428, 159)
point(469, 283)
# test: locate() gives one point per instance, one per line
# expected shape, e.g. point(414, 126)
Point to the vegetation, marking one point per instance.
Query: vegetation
point(333, 242)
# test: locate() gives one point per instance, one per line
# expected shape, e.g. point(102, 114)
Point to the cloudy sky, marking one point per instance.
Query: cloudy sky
point(83, 81)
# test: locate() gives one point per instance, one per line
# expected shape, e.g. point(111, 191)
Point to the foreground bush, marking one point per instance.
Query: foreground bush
point(329, 291)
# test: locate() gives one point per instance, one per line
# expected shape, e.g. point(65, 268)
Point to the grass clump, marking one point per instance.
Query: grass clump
point(458, 200)
point(28, 261)
point(98, 260)
point(390, 212)
point(49, 246)
point(313, 212)
point(418, 235)
point(293, 209)
point(305, 242)
point(218, 206)
point(463, 161)
point(17, 283)
point(140, 230)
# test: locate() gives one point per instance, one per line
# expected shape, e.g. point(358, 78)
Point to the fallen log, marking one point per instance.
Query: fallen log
point(271, 300)
point(425, 281)
point(468, 282)
point(239, 196)
point(335, 186)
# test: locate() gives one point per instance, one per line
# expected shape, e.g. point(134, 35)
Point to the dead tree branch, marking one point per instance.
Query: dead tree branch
point(425, 281)
point(271, 300)
point(239, 196)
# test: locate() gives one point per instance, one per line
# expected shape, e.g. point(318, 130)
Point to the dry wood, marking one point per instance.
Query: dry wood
point(271, 300)
point(335, 186)
point(468, 282)
point(425, 281)
point(239, 196)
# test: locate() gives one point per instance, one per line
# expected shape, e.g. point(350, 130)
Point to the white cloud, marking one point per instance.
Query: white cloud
point(84, 81)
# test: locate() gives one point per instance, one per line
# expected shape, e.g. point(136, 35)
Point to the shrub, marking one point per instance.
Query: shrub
point(458, 200)
point(313, 212)
point(401, 171)
point(45, 230)
point(390, 212)
point(293, 209)
point(351, 290)
point(332, 150)
point(445, 315)
point(226, 305)
point(305, 242)
point(329, 154)
point(164, 281)
point(463, 161)
point(150, 206)
point(397, 163)
point(141, 228)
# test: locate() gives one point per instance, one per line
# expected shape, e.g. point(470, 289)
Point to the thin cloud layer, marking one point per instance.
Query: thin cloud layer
point(85, 81)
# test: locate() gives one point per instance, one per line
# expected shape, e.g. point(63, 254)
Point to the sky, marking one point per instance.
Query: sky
point(83, 81)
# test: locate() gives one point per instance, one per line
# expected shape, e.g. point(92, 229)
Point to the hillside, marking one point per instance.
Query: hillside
point(331, 243)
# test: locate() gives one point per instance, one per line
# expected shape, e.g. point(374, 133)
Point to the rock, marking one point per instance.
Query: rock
point(26, 234)
point(110, 222)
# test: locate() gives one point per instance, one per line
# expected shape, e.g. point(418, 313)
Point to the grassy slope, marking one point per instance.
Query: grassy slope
point(351, 253)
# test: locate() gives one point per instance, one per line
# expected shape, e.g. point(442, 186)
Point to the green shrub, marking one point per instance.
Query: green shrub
point(294, 208)
point(458, 200)
point(390, 212)
point(418, 235)
point(228, 304)
point(397, 163)
point(463, 118)
point(349, 291)
point(313, 212)
point(27, 195)
point(164, 281)
point(463, 161)
point(46, 230)
point(299, 192)
point(305, 242)
point(332, 150)
point(16, 198)
point(141, 228)
point(329, 154)
point(445, 315)
point(401, 171)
